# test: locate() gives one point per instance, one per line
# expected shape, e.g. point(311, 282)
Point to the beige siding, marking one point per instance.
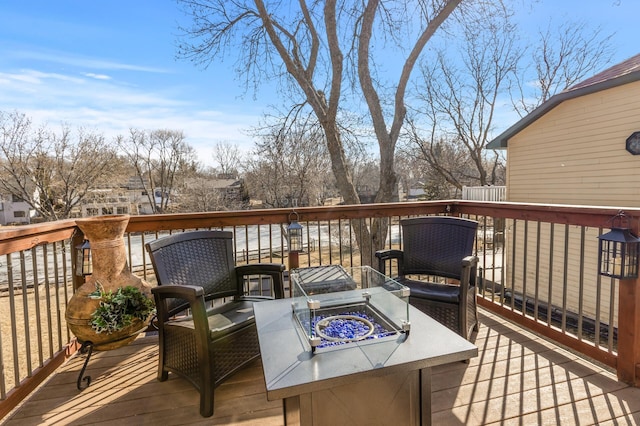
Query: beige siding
point(574, 154)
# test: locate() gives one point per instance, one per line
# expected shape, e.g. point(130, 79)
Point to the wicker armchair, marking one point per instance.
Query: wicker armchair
point(211, 343)
point(436, 251)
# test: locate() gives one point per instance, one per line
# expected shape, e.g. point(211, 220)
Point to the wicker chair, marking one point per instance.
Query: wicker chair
point(437, 250)
point(211, 343)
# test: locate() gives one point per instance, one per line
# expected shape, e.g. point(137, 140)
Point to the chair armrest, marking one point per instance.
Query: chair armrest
point(389, 254)
point(186, 292)
point(273, 270)
point(468, 274)
point(193, 295)
point(470, 261)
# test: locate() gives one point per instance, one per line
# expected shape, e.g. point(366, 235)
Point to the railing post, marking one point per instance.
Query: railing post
point(294, 260)
point(628, 366)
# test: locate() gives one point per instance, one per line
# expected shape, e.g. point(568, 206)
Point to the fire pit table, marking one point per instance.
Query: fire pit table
point(357, 355)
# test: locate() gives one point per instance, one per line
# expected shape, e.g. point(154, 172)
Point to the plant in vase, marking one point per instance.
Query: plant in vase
point(120, 309)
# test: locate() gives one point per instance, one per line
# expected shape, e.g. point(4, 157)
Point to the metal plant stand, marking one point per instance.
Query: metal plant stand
point(87, 347)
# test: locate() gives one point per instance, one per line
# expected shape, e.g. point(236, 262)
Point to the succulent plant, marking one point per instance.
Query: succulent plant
point(119, 309)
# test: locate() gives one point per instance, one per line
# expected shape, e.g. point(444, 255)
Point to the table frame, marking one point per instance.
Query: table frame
point(296, 375)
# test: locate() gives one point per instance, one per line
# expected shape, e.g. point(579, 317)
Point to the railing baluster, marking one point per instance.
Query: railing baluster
point(3, 372)
point(581, 283)
point(513, 263)
point(47, 291)
point(340, 252)
point(26, 318)
point(536, 297)
point(550, 286)
point(612, 298)
point(36, 298)
point(13, 317)
point(598, 312)
point(59, 308)
point(320, 262)
point(271, 248)
point(352, 243)
point(259, 238)
point(525, 258)
point(565, 279)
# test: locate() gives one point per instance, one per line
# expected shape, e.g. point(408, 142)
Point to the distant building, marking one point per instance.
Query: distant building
point(14, 210)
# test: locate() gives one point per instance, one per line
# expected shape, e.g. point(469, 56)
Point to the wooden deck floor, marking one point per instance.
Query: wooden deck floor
point(517, 378)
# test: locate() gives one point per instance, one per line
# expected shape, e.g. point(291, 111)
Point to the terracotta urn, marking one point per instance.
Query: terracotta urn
point(110, 271)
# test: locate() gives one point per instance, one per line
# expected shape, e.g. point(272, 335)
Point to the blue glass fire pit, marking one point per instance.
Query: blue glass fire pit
point(337, 306)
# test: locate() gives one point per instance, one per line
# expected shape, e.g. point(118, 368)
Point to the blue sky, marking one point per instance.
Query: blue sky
point(110, 65)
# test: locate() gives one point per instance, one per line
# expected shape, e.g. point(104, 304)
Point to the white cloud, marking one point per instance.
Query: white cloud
point(66, 59)
point(111, 108)
point(97, 76)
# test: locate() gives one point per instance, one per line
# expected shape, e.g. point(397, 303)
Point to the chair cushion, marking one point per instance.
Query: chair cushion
point(448, 293)
point(223, 319)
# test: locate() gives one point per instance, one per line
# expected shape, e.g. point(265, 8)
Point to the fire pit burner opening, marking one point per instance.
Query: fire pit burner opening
point(343, 325)
point(344, 328)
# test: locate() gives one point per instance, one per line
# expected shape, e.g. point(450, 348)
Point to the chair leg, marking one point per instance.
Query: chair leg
point(162, 374)
point(206, 401)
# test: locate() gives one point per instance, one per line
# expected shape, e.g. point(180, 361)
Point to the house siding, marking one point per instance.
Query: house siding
point(574, 154)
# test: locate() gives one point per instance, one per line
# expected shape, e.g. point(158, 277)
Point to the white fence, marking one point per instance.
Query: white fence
point(484, 193)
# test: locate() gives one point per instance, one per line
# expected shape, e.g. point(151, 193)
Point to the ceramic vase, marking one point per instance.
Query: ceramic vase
point(110, 271)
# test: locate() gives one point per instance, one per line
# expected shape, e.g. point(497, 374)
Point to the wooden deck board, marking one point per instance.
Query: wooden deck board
point(517, 378)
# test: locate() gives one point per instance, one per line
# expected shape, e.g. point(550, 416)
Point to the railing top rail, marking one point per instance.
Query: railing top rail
point(277, 216)
point(24, 237)
point(14, 239)
point(594, 216)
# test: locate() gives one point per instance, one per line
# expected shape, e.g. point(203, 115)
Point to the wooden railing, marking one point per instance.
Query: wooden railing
point(537, 268)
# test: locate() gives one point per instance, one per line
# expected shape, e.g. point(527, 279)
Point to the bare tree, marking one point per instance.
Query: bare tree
point(444, 165)
point(227, 158)
point(158, 157)
point(312, 47)
point(564, 55)
point(460, 100)
point(289, 166)
point(52, 172)
point(463, 88)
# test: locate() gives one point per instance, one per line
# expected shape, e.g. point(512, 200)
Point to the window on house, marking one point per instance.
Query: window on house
point(92, 211)
point(16, 198)
point(107, 210)
point(122, 210)
point(19, 213)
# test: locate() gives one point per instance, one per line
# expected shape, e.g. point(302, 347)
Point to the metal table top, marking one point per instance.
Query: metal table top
point(290, 368)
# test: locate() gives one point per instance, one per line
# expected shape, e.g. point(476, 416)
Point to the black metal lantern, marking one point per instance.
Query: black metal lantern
point(295, 233)
point(83, 260)
point(619, 248)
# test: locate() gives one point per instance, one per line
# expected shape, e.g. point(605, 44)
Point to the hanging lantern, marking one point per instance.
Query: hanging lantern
point(619, 248)
point(83, 259)
point(295, 233)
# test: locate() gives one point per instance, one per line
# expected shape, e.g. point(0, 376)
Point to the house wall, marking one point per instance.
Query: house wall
point(574, 154)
